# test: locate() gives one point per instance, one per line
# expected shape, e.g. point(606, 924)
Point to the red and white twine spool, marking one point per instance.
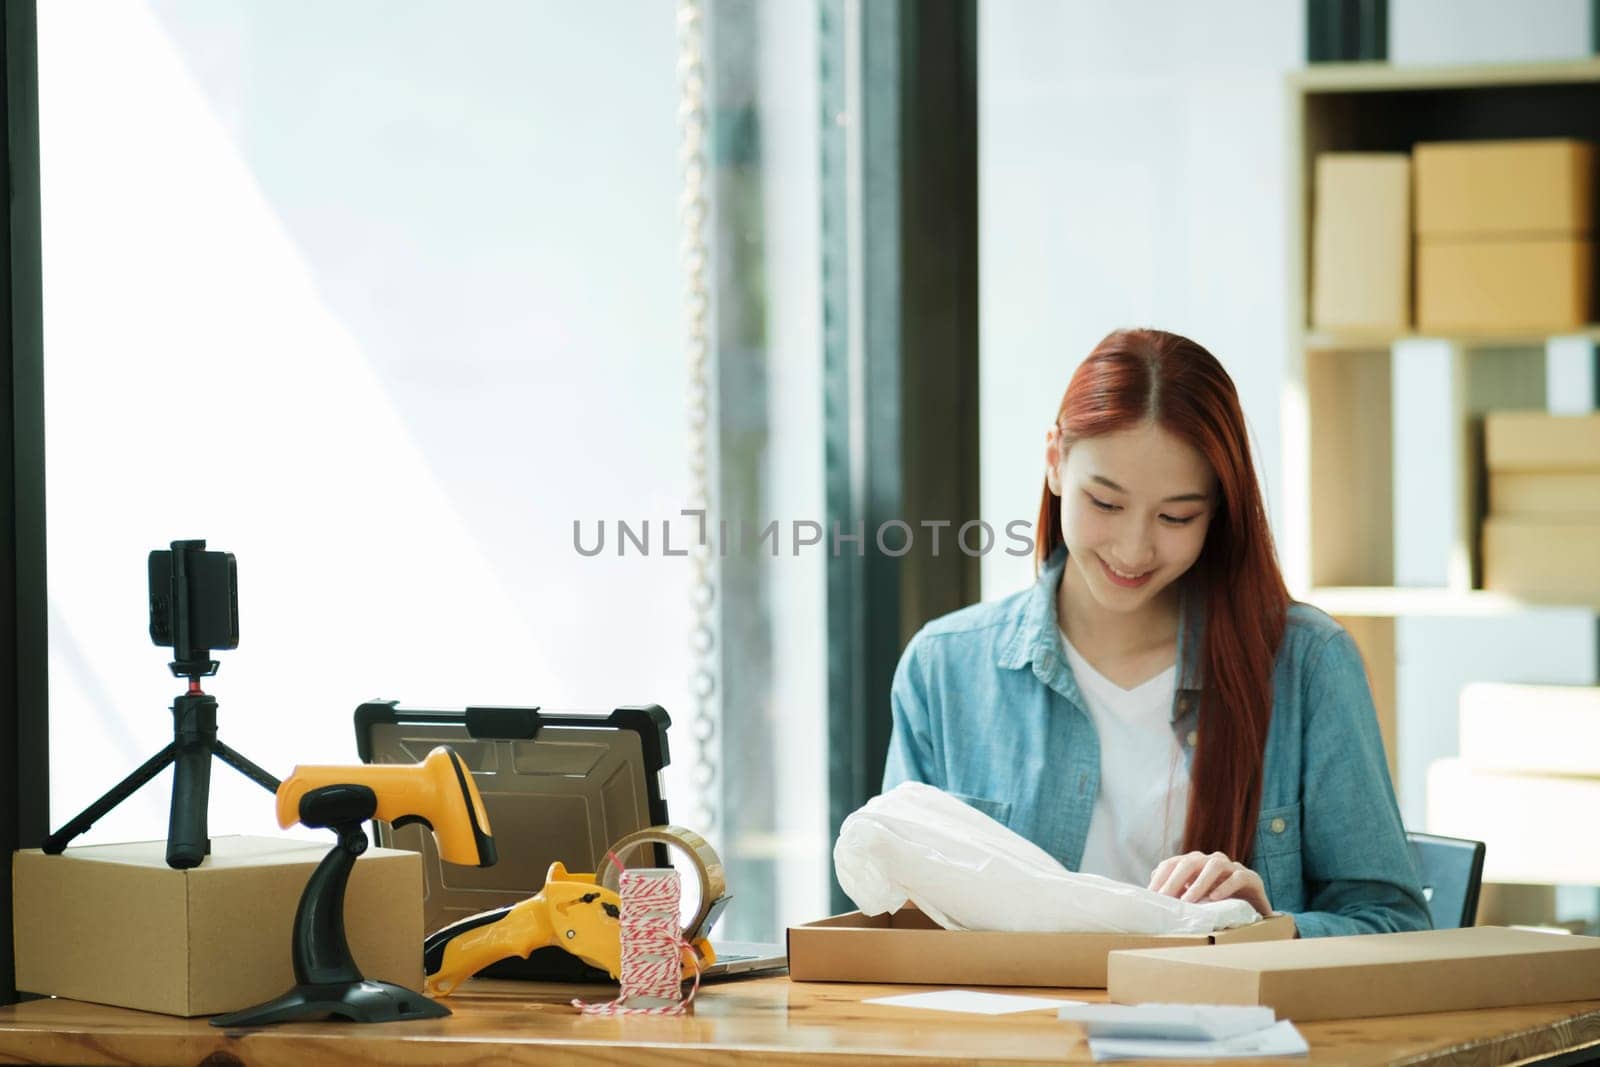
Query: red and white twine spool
point(652, 947)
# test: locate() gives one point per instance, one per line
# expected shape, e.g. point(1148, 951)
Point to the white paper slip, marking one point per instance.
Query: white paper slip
point(1280, 1039)
point(970, 1001)
point(1170, 1022)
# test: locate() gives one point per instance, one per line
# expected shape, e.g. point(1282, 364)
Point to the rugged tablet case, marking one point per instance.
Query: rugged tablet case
point(556, 786)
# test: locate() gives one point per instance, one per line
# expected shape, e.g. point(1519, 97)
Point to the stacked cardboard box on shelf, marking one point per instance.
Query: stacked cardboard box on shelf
point(1504, 235)
point(1503, 230)
point(1541, 536)
point(1361, 241)
point(1527, 782)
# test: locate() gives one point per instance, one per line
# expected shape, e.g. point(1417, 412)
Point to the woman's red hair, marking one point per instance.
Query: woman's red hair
point(1135, 377)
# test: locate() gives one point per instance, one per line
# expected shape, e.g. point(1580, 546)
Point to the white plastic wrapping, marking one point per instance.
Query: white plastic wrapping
point(968, 872)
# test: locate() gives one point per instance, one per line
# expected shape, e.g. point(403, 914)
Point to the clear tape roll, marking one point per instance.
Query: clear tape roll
point(703, 859)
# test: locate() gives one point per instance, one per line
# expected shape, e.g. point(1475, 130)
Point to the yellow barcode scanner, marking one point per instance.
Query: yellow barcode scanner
point(439, 793)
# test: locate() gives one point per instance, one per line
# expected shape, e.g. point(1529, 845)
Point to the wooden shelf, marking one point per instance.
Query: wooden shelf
point(1397, 601)
point(1361, 340)
point(1338, 412)
point(1382, 77)
point(1375, 445)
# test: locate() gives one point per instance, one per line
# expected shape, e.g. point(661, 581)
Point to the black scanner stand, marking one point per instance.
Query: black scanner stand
point(327, 981)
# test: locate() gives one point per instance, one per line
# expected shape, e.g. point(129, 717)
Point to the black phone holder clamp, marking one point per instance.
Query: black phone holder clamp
point(327, 981)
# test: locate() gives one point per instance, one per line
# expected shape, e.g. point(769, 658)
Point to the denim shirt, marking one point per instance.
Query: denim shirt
point(986, 707)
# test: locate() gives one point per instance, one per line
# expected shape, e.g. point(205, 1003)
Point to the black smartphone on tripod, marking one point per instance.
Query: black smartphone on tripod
point(194, 609)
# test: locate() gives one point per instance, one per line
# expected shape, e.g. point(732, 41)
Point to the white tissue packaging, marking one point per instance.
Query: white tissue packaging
point(968, 872)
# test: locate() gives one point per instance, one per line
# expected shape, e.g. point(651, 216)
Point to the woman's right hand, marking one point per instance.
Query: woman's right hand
point(1198, 878)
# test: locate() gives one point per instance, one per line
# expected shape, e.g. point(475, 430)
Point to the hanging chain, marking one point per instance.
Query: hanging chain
point(703, 689)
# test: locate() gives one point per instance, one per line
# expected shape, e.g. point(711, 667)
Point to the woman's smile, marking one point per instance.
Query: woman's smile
point(1124, 579)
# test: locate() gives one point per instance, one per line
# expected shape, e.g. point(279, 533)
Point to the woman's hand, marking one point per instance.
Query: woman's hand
point(1197, 878)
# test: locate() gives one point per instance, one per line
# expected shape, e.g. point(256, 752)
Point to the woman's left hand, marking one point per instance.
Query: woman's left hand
point(1197, 877)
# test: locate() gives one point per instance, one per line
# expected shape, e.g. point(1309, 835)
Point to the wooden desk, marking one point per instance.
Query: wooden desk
point(765, 1021)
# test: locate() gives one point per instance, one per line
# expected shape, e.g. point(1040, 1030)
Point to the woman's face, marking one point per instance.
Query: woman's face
point(1135, 507)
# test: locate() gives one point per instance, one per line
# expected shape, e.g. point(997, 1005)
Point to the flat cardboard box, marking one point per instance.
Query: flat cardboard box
point(1370, 974)
point(908, 947)
point(1506, 188)
point(1530, 729)
point(1361, 241)
point(114, 924)
point(1536, 441)
point(1538, 284)
point(1553, 560)
point(1537, 829)
point(1545, 494)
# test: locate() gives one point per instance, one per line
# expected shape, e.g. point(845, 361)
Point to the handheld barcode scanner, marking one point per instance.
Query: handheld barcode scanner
point(579, 913)
point(438, 792)
point(573, 911)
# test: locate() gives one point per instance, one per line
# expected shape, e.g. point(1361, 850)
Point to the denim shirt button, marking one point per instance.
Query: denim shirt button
point(1183, 704)
point(1277, 826)
point(1193, 738)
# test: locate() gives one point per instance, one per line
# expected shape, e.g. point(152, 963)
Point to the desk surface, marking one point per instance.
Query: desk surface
point(765, 1020)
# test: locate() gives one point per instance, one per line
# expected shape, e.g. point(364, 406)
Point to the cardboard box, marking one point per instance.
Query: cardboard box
point(1531, 729)
point(1545, 494)
point(1538, 829)
point(1535, 441)
point(1361, 241)
point(908, 947)
point(1538, 284)
point(1556, 560)
point(1508, 904)
point(115, 925)
point(1368, 975)
point(1503, 235)
point(1504, 188)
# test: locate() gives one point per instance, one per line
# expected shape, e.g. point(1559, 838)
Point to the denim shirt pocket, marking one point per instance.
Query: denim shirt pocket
point(1277, 857)
point(998, 810)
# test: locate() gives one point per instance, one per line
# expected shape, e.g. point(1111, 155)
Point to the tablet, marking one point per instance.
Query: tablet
point(557, 785)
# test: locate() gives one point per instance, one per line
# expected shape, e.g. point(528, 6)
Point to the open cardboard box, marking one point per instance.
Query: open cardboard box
point(908, 947)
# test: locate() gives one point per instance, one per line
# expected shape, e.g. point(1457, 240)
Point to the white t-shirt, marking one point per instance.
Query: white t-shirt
point(1144, 782)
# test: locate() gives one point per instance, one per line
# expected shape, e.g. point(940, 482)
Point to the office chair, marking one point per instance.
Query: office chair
point(1451, 870)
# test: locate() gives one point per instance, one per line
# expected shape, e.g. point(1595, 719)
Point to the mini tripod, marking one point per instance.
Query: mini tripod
point(194, 742)
point(194, 607)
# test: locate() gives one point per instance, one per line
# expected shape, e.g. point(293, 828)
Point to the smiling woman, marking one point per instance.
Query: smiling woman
point(1136, 535)
point(1182, 724)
